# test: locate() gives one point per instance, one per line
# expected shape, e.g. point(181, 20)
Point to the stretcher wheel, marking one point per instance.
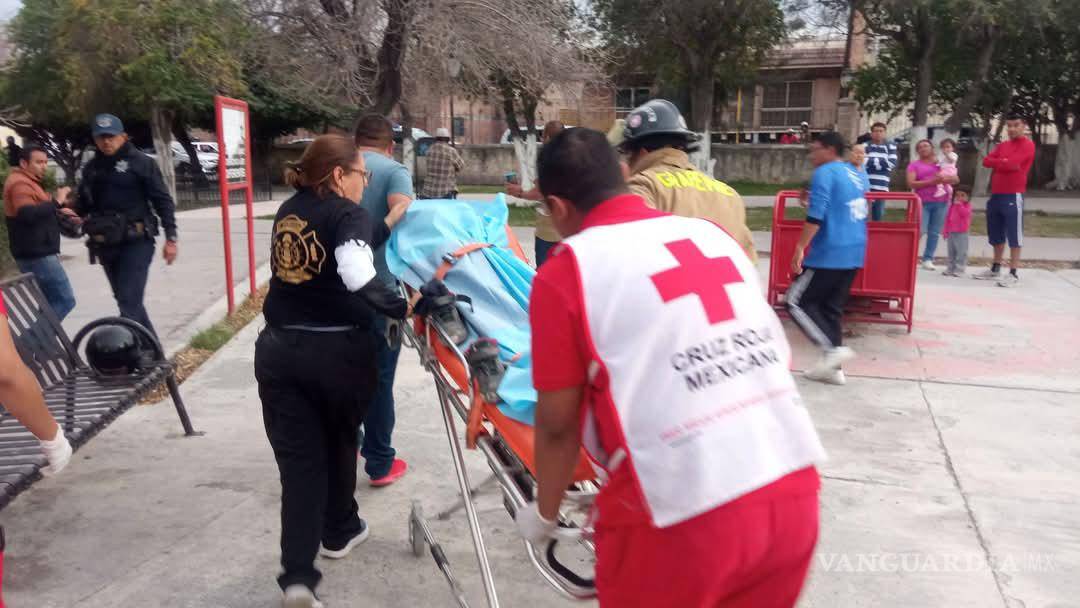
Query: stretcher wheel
point(416, 532)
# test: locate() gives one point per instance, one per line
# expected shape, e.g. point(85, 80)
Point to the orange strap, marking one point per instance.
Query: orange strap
point(450, 259)
point(474, 427)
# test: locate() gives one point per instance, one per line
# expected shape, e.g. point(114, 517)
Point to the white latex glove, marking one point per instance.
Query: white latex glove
point(58, 451)
point(532, 526)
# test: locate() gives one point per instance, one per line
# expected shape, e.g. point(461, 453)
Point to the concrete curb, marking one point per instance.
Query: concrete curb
point(216, 311)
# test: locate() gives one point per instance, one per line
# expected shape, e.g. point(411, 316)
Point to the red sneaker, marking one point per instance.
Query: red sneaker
point(397, 471)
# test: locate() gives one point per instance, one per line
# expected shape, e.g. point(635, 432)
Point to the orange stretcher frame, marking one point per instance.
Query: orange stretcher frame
point(519, 436)
point(509, 447)
point(884, 290)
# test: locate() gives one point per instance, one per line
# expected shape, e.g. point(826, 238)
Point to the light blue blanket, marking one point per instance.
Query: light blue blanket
point(496, 280)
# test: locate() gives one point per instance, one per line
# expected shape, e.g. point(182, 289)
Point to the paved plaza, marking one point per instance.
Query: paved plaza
point(952, 480)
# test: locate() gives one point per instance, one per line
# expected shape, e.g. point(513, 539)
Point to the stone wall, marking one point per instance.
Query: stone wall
point(486, 164)
point(761, 163)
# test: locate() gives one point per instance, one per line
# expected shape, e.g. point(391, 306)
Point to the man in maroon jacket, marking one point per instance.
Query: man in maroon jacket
point(1010, 161)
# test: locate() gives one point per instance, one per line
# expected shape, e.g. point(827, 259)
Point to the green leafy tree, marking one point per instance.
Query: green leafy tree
point(699, 44)
point(33, 88)
point(152, 61)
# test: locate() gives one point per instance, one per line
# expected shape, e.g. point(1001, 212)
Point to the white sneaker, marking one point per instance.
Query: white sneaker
point(1010, 280)
point(299, 596)
point(928, 265)
point(836, 357)
point(987, 275)
point(835, 376)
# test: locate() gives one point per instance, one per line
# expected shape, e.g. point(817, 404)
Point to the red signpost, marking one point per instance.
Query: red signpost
point(234, 173)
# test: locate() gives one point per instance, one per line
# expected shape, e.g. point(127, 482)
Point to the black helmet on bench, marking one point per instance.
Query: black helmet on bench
point(113, 350)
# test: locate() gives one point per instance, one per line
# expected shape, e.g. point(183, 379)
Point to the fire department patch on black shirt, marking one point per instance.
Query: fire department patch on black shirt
point(310, 238)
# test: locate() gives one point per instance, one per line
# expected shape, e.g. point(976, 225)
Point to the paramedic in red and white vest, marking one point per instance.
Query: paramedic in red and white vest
point(654, 348)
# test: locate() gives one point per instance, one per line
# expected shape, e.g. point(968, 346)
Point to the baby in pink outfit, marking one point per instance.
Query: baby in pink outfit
point(948, 167)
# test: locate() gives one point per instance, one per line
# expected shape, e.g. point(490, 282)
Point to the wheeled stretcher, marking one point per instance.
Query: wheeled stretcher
point(505, 440)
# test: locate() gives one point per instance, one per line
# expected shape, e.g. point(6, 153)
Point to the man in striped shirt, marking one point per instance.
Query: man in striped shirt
point(880, 162)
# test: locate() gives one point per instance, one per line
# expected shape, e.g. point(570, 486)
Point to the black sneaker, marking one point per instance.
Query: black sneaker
point(486, 367)
point(335, 551)
point(438, 304)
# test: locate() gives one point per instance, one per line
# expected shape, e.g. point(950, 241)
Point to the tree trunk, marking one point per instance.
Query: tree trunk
point(924, 82)
point(962, 111)
point(194, 166)
point(702, 97)
point(161, 128)
point(524, 149)
point(1067, 163)
point(408, 146)
point(981, 187)
point(525, 152)
point(399, 14)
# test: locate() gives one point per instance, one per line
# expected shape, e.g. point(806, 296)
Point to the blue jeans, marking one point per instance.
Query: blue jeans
point(53, 280)
point(378, 426)
point(933, 220)
point(543, 248)
point(877, 211)
point(127, 266)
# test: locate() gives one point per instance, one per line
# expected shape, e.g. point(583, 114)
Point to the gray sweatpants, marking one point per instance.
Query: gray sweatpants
point(958, 251)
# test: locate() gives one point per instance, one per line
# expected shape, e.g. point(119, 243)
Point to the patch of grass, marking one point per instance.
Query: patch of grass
point(522, 216)
point(7, 265)
point(210, 340)
point(1036, 223)
point(266, 217)
point(481, 189)
point(759, 189)
point(760, 218)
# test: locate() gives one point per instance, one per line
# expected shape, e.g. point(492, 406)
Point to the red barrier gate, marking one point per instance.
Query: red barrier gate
point(884, 290)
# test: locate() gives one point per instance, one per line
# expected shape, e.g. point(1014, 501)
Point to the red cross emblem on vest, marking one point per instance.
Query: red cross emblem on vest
point(707, 278)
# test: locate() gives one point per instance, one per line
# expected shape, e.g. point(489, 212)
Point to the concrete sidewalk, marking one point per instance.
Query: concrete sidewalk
point(184, 298)
point(1064, 205)
point(189, 296)
point(952, 481)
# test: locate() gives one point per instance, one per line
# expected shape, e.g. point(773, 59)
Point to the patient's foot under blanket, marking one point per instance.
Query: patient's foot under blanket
point(497, 281)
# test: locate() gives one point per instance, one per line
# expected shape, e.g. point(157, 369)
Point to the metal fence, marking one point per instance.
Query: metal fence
point(195, 194)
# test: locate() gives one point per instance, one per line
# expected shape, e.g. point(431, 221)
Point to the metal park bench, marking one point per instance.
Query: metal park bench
point(82, 401)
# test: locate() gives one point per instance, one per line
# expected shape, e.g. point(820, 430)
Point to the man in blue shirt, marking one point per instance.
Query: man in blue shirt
point(389, 185)
point(880, 162)
point(835, 230)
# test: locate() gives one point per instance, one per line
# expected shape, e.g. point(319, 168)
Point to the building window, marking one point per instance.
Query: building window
point(628, 98)
point(459, 126)
point(787, 104)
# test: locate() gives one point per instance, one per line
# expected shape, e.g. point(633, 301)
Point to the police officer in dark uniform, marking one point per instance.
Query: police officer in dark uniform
point(316, 360)
point(121, 191)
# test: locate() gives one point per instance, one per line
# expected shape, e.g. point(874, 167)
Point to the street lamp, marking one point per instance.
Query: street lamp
point(453, 69)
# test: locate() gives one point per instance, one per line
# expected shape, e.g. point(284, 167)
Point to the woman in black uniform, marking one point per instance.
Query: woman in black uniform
point(315, 361)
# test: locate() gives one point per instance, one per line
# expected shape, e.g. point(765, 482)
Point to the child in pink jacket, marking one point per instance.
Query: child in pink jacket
point(957, 225)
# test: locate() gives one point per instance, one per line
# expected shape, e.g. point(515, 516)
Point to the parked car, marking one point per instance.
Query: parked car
point(422, 140)
point(417, 134)
point(505, 139)
point(965, 141)
point(207, 156)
